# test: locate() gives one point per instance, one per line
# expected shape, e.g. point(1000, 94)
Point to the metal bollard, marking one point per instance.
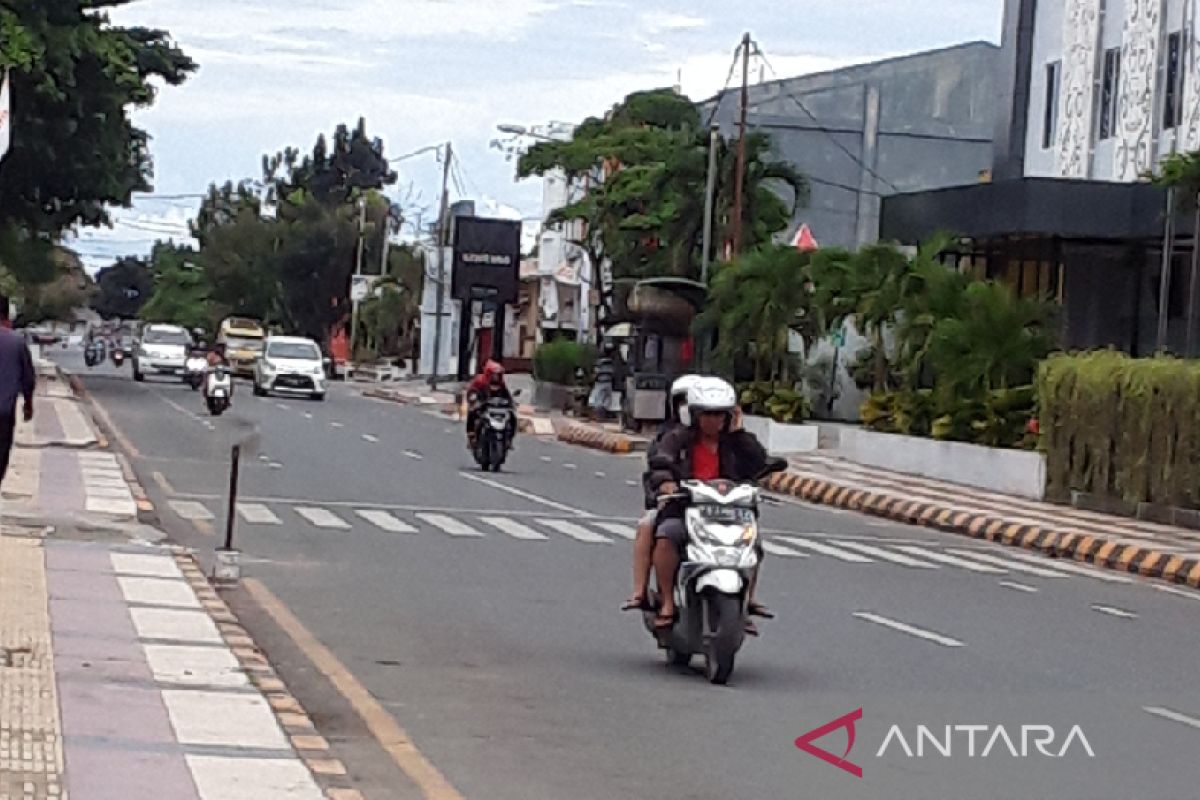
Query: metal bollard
point(227, 569)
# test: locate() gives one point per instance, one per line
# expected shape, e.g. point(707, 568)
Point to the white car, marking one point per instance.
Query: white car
point(162, 349)
point(291, 364)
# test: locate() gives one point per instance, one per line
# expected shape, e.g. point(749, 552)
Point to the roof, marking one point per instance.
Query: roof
point(289, 340)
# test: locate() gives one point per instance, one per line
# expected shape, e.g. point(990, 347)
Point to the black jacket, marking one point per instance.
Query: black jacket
point(742, 457)
point(668, 427)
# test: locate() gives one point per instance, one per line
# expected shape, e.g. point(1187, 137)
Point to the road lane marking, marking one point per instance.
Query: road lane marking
point(414, 455)
point(545, 501)
point(322, 518)
point(826, 550)
point(1020, 587)
point(1174, 716)
point(450, 525)
point(385, 521)
point(258, 514)
point(622, 529)
point(336, 425)
point(514, 529)
point(911, 630)
point(779, 550)
point(1113, 611)
point(121, 438)
point(190, 510)
point(162, 482)
point(952, 561)
point(600, 475)
point(1074, 569)
point(394, 740)
point(576, 532)
point(886, 555)
point(283, 406)
point(1176, 591)
point(1015, 566)
point(569, 466)
point(547, 459)
point(369, 438)
point(632, 483)
point(308, 415)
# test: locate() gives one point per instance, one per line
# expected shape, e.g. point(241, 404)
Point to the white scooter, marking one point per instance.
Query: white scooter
point(712, 587)
point(194, 369)
point(218, 390)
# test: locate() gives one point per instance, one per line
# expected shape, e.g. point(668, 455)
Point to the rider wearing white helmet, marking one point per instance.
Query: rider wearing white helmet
point(711, 447)
point(643, 543)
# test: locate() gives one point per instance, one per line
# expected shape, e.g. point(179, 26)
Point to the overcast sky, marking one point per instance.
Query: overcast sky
point(275, 73)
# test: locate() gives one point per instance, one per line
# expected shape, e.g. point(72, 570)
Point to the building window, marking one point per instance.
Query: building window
point(1174, 75)
point(1050, 117)
point(1109, 93)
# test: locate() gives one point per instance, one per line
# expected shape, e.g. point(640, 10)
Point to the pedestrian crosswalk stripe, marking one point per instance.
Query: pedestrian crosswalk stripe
point(779, 550)
point(952, 561)
point(385, 521)
point(577, 532)
point(1074, 569)
point(450, 525)
point(322, 518)
point(258, 514)
point(514, 528)
point(826, 550)
point(1015, 566)
point(622, 529)
point(887, 555)
point(191, 510)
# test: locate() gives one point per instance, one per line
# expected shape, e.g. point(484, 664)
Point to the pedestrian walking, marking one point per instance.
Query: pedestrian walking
point(17, 380)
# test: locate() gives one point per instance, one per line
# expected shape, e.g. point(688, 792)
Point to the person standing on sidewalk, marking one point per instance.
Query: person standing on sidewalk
point(17, 379)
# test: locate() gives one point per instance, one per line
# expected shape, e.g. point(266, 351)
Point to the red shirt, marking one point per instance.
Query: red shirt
point(706, 463)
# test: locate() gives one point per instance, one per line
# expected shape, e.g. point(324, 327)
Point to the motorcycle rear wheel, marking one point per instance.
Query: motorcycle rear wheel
point(725, 614)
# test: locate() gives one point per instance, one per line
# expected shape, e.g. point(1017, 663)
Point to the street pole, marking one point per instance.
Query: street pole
point(1168, 256)
point(710, 191)
point(740, 176)
point(358, 267)
point(443, 231)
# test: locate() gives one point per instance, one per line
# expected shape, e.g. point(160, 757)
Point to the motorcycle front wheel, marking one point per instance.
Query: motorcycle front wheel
point(728, 629)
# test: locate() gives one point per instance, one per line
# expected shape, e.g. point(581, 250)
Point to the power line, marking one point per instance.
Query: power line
point(415, 153)
point(821, 127)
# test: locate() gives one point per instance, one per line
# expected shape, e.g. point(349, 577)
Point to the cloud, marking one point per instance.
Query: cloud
point(658, 22)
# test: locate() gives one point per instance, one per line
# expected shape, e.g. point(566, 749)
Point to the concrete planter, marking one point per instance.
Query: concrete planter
point(778, 437)
point(1018, 472)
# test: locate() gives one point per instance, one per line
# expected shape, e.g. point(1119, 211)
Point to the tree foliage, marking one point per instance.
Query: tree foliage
point(181, 289)
point(75, 151)
point(646, 162)
point(123, 288)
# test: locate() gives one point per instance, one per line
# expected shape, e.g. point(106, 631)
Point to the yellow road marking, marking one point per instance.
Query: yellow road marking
point(394, 739)
point(205, 527)
point(121, 438)
point(163, 483)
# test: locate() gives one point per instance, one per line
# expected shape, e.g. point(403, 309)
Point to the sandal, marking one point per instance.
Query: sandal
point(664, 622)
point(637, 602)
point(751, 628)
point(759, 610)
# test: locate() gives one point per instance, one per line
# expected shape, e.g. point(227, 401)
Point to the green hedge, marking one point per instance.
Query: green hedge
point(556, 361)
point(998, 418)
point(1120, 427)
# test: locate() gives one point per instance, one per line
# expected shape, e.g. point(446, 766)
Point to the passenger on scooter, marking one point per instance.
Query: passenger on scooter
point(487, 385)
point(711, 447)
point(643, 544)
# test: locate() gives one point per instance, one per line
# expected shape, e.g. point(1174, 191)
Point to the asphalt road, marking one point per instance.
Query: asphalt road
point(480, 612)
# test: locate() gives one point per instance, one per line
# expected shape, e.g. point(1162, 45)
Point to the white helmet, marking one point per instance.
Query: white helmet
point(679, 392)
point(710, 394)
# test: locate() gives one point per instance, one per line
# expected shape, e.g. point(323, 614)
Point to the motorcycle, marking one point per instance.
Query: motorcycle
point(118, 356)
point(713, 583)
point(218, 390)
point(93, 354)
point(492, 428)
point(194, 369)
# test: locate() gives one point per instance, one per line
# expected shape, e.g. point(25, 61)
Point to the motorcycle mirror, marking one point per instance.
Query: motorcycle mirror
point(775, 465)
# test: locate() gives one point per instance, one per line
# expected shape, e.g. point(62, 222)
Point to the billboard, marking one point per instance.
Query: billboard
point(487, 259)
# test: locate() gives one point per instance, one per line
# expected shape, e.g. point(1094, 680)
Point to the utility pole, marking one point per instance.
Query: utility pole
point(443, 233)
point(710, 191)
point(358, 267)
point(740, 176)
point(1168, 257)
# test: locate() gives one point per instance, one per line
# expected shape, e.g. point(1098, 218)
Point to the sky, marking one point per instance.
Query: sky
point(276, 73)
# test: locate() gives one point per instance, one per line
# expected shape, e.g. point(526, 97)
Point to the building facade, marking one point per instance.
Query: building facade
point(906, 124)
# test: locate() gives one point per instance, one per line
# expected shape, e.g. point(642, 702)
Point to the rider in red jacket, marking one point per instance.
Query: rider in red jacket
point(485, 386)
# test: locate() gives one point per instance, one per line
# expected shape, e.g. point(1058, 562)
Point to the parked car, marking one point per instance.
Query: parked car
point(291, 364)
point(162, 350)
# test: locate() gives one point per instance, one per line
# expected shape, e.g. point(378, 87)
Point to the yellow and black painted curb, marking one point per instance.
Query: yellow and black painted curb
point(312, 748)
point(587, 436)
point(1060, 543)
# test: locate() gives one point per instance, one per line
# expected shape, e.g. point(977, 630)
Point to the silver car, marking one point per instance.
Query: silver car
point(162, 350)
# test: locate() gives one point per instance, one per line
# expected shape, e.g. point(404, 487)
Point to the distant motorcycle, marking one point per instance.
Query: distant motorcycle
point(493, 427)
point(218, 390)
point(194, 370)
point(93, 354)
point(118, 357)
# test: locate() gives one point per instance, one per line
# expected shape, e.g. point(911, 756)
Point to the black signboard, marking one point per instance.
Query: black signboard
point(487, 259)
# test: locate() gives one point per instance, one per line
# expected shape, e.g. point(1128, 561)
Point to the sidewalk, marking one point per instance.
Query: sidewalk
point(58, 468)
point(1120, 543)
point(117, 683)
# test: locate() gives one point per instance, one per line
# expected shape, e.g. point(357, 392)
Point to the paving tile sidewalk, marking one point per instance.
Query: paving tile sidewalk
point(116, 682)
point(1121, 543)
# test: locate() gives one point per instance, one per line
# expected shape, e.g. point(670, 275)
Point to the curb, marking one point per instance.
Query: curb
point(586, 436)
point(1058, 543)
point(312, 748)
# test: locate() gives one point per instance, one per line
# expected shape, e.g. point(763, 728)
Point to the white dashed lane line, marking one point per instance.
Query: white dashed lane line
point(1111, 611)
point(1020, 587)
point(369, 438)
point(414, 456)
point(1176, 591)
point(1174, 716)
point(911, 630)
